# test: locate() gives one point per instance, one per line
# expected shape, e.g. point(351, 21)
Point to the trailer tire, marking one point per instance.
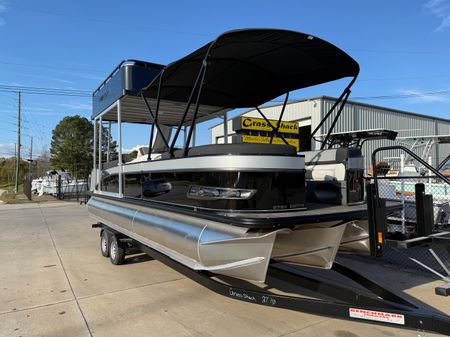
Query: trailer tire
point(104, 243)
point(116, 251)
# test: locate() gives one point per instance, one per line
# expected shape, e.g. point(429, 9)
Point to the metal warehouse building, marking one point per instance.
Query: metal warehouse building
point(355, 116)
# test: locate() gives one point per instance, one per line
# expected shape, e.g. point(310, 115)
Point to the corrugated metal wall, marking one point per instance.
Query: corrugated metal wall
point(293, 111)
point(444, 149)
point(357, 116)
point(300, 111)
point(360, 117)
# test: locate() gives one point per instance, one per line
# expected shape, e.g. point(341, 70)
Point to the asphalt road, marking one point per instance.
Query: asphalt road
point(54, 282)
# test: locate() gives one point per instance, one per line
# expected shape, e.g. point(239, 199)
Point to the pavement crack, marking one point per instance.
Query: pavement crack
point(130, 288)
point(36, 307)
point(303, 328)
point(65, 272)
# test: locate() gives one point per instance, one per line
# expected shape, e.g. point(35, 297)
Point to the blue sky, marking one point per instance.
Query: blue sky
point(403, 47)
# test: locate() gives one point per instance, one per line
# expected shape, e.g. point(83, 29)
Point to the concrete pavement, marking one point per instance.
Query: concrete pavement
point(54, 282)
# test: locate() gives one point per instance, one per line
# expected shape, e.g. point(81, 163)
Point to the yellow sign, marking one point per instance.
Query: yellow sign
point(266, 140)
point(260, 124)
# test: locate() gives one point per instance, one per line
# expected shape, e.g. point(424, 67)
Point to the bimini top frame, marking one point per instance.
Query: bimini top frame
point(357, 138)
point(241, 69)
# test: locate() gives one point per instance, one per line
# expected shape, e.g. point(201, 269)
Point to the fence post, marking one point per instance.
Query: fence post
point(376, 208)
point(59, 188)
point(424, 211)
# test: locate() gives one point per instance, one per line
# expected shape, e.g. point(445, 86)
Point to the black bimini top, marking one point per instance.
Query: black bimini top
point(246, 68)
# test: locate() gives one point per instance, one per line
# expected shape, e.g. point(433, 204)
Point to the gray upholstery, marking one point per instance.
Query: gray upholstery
point(236, 149)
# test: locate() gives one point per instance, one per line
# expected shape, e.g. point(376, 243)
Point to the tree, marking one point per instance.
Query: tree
point(72, 145)
point(129, 156)
point(41, 164)
point(8, 170)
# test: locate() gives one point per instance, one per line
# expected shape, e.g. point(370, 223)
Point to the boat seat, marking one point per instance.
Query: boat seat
point(334, 176)
point(236, 149)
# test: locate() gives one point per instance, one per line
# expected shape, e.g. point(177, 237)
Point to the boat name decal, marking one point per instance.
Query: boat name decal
point(242, 296)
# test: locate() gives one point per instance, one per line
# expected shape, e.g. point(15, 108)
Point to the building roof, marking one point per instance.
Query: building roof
point(324, 97)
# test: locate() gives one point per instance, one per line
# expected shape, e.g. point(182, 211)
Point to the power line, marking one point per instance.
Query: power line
point(152, 28)
point(44, 91)
point(393, 96)
point(403, 78)
point(399, 96)
point(53, 67)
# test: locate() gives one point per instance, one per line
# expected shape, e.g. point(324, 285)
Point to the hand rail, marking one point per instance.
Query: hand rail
point(409, 152)
point(120, 65)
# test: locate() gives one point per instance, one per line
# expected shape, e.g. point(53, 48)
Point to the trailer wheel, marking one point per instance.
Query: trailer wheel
point(104, 243)
point(116, 251)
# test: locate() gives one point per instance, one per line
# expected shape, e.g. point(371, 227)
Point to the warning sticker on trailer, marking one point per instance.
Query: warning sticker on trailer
point(378, 316)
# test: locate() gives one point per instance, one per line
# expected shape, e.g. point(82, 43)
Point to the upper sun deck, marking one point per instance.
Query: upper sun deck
point(239, 69)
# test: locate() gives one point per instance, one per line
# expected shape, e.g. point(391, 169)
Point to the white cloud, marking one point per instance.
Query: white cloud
point(76, 106)
point(441, 10)
point(3, 8)
point(418, 96)
point(87, 76)
point(7, 150)
point(47, 78)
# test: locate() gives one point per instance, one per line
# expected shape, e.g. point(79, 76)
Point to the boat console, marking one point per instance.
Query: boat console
point(335, 176)
point(335, 173)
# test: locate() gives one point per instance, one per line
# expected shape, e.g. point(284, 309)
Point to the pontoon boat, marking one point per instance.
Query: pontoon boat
point(228, 208)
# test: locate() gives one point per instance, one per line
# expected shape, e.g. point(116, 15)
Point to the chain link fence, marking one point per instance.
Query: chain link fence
point(403, 189)
point(419, 232)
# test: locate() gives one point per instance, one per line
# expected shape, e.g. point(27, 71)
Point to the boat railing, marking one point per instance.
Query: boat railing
point(409, 184)
point(120, 65)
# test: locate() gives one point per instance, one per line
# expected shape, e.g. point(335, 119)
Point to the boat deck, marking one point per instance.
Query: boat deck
point(313, 213)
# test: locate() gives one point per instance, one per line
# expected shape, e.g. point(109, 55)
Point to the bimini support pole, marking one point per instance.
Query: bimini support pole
point(119, 136)
point(155, 119)
point(269, 123)
point(108, 151)
point(332, 109)
point(277, 127)
point(225, 127)
point(338, 114)
point(94, 155)
point(442, 163)
point(197, 105)
point(155, 124)
point(186, 110)
point(100, 131)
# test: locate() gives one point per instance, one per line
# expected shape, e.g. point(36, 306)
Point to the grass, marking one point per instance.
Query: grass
point(9, 197)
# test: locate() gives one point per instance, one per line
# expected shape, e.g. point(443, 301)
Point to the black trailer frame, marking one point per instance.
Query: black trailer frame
point(373, 304)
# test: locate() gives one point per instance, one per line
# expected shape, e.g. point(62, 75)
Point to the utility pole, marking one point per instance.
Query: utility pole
point(31, 159)
point(18, 145)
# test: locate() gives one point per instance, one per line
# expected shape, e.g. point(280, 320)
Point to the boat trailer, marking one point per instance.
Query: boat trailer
point(365, 301)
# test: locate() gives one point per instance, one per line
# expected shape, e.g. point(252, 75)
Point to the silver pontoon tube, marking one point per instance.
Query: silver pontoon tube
point(218, 247)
